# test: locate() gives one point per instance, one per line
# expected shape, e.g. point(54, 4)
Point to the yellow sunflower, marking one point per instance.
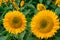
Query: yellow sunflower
point(40, 7)
point(45, 24)
point(14, 22)
point(22, 3)
point(58, 3)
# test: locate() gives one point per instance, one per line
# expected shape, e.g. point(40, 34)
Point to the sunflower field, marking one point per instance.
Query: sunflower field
point(29, 19)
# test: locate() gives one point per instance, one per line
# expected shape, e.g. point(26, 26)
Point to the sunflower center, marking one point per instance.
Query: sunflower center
point(16, 20)
point(43, 23)
point(46, 25)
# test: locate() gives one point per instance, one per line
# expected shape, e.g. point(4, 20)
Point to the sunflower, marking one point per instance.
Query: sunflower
point(40, 7)
point(14, 22)
point(22, 3)
point(45, 24)
point(58, 3)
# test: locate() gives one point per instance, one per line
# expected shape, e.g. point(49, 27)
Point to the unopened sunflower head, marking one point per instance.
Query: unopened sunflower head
point(45, 24)
point(58, 3)
point(14, 22)
point(22, 3)
point(40, 7)
point(15, 6)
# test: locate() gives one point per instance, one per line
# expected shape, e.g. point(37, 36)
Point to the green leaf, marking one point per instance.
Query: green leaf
point(1, 8)
point(26, 12)
point(1, 22)
point(21, 36)
point(57, 38)
point(30, 37)
point(4, 5)
point(30, 2)
point(3, 33)
point(46, 6)
point(28, 19)
point(48, 2)
point(3, 37)
point(40, 1)
point(6, 9)
point(22, 8)
point(10, 7)
point(9, 36)
point(35, 11)
point(17, 2)
point(58, 33)
point(57, 10)
point(53, 6)
point(31, 6)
